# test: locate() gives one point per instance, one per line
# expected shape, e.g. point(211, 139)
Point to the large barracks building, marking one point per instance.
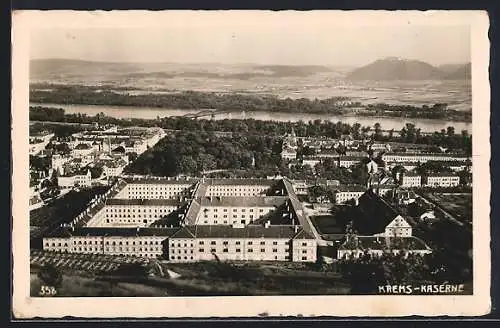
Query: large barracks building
point(187, 220)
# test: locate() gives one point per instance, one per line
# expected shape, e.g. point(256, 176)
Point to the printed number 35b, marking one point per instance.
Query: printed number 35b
point(47, 291)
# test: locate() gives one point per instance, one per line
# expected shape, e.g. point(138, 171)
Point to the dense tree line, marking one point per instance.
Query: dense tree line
point(188, 100)
point(195, 152)
point(328, 169)
point(60, 130)
point(366, 273)
point(436, 111)
point(77, 94)
point(318, 128)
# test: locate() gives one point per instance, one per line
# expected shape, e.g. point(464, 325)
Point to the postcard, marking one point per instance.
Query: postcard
point(216, 164)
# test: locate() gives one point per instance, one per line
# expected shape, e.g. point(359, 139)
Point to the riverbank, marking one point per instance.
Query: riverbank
point(151, 113)
point(241, 102)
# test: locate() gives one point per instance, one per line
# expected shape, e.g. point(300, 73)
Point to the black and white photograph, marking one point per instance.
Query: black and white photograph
point(315, 156)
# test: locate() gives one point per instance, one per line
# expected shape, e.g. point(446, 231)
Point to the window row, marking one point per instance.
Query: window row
point(115, 249)
point(238, 242)
point(139, 210)
point(97, 242)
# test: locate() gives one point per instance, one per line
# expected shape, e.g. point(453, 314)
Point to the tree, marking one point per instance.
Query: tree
point(361, 173)
point(365, 131)
point(132, 157)
point(317, 191)
point(341, 149)
point(378, 131)
point(355, 130)
point(465, 177)
point(53, 178)
point(62, 148)
point(450, 131)
point(50, 276)
point(308, 151)
point(391, 134)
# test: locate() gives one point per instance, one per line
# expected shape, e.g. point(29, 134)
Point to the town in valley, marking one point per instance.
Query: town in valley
point(280, 180)
point(329, 203)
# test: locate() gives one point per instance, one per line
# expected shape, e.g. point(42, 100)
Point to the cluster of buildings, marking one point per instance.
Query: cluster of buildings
point(93, 156)
point(102, 152)
point(184, 219)
point(379, 157)
point(86, 158)
point(414, 180)
point(188, 220)
point(38, 141)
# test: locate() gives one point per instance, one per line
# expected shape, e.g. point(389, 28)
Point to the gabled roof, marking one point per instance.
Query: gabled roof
point(192, 212)
point(298, 210)
point(119, 149)
point(302, 234)
point(82, 146)
point(372, 214)
point(184, 232)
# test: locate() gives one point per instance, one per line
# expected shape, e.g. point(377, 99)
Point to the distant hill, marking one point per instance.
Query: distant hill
point(81, 69)
point(396, 69)
point(44, 68)
point(288, 70)
point(450, 68)
point(460, 73)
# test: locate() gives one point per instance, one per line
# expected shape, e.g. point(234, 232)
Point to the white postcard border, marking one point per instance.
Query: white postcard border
point(308, 306)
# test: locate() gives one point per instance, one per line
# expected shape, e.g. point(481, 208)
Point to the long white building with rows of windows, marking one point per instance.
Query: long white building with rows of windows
point(185, 220)
point(423, 157)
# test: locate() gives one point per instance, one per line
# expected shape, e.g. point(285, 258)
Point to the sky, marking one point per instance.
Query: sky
point(266, 41)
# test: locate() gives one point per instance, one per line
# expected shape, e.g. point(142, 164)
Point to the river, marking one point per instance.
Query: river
point(387, 123)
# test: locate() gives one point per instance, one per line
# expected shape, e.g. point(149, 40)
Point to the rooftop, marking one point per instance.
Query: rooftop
point(372, 214)
point(411, 175)
point(348, 188)
point(160, 180)
point(352, 158)
point(224, 231)
point(119, 232)
point(143, 202)
point(240, 182)
point(425, 154)
point(256, 201)
point(82, 146)
point(442, 175)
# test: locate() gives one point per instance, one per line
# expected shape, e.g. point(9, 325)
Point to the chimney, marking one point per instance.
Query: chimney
point(296, 228)
point(267, 224)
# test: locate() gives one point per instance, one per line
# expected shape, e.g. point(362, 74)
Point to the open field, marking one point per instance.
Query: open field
point(78, 285)
point(83, 262)
point(97, 275)
point(293, 82)
point(458, 205)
